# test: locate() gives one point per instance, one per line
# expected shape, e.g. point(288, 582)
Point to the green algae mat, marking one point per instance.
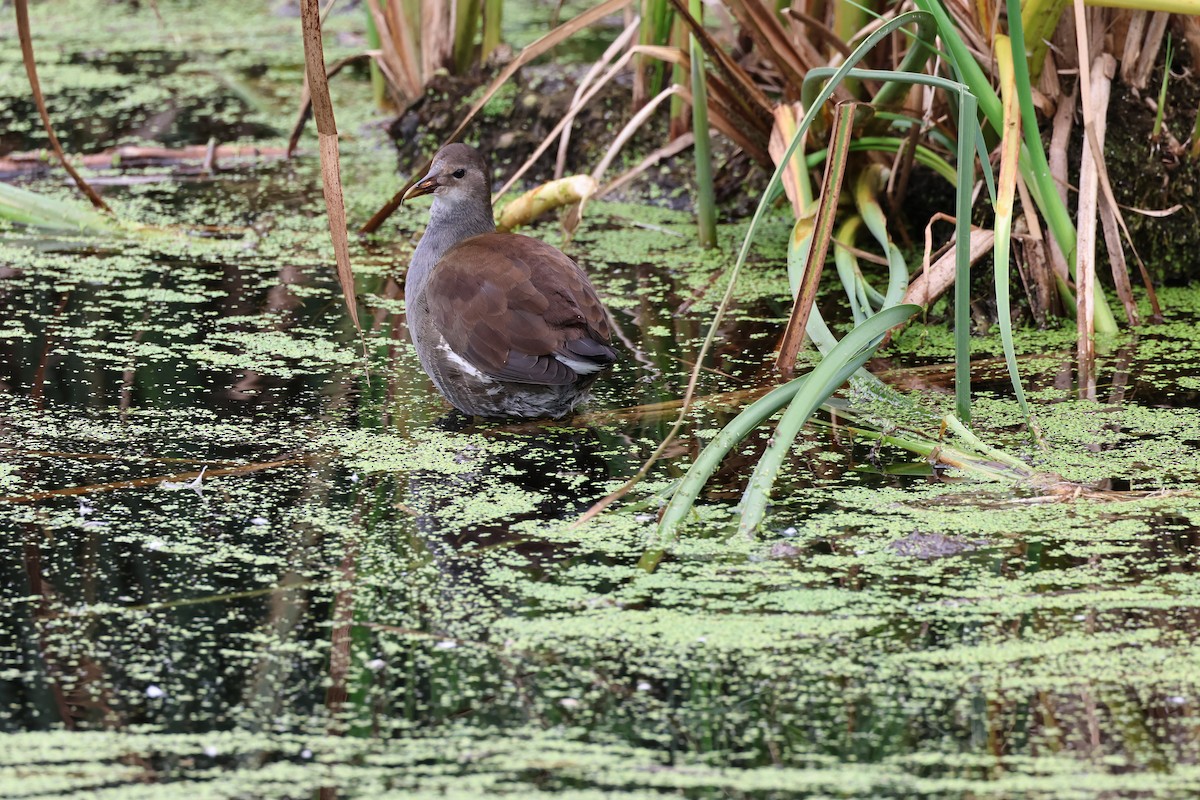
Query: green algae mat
point(246, 553)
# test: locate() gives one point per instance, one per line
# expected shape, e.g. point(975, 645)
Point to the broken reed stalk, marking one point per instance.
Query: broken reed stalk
point(939, 275)
point(831, 190)
point(1103, 69)
point(322, 105)
point(1089, 180)
point(23, 33)
point(1089, 125)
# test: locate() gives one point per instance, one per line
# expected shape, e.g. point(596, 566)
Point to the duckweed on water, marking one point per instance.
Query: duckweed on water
point(365, 593)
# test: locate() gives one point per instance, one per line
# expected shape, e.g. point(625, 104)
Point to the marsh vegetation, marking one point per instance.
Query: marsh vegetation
point(247, 552)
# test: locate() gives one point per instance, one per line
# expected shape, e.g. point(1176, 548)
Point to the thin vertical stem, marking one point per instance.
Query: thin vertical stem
point(706, 208)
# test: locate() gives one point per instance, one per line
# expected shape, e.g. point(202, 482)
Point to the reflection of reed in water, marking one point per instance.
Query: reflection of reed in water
point(417, 590)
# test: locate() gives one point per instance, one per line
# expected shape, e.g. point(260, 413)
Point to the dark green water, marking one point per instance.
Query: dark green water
point(365, 598)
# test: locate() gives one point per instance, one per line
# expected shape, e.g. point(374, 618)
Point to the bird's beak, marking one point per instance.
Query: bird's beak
point(427, 185)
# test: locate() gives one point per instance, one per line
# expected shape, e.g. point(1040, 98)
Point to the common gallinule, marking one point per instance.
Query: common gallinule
point(505, 325)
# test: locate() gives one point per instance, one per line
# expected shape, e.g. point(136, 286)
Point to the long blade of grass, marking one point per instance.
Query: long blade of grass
point(924, 23)
point(826, 378)
point(866, 189)
point(710, 458)
point(1006, 188)
point(831, 191)
point(854, 350)
point(969, 137)
point(27, 208)
point(23, 33)
point(1161, 110)
point(318, 83)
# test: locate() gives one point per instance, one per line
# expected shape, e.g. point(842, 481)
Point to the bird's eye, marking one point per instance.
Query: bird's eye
point(458, 173)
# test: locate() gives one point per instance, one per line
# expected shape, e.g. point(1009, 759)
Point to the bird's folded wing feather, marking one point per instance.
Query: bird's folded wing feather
point(519, 310)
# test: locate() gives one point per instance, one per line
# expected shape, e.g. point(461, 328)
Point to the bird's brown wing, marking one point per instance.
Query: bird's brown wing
point(509, 305)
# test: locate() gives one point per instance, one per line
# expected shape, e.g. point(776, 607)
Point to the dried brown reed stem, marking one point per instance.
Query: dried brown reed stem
point(322, 105)
point(938, 276)
point(831, 191)
point(666, 151)
point(23, 33)
point(154, 480)
point(128, 155)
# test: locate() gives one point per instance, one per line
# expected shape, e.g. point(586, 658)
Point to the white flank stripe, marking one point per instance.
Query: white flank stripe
point(460, 362)
point(582, 367)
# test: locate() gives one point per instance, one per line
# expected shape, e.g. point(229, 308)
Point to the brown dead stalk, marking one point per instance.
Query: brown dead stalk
point(26, 38)
point(322, 105)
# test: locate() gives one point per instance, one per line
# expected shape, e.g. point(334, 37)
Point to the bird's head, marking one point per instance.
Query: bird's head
point(458, 175)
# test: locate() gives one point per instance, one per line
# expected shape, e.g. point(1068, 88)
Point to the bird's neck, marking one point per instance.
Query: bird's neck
point(448, 225)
